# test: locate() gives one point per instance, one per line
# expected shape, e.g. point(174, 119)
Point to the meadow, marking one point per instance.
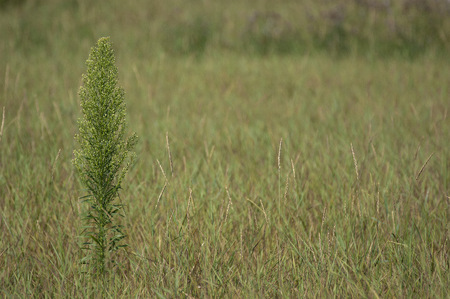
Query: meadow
point(275, 159)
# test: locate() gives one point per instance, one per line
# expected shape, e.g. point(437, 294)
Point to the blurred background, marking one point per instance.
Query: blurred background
point(405, 28)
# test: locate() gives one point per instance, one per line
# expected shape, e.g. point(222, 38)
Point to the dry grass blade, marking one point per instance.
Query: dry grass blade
point(279, 154)
point(187, 210)
point(170, 154)
point(227, 210)
point(279, 172)
point(161, 194)
point(54, 163)
point(324, 217)
point(286, 188)
point(354, 161)
point(6, 80)
point(293, 168)
point(264, 211)
point(3, 124)
point(229, 204)
point(423, 166)
point(162, 170)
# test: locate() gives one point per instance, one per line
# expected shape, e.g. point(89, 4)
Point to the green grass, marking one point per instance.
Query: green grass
point(227, 213)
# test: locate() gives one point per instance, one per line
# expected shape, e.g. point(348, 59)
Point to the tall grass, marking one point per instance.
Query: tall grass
point(354, 203)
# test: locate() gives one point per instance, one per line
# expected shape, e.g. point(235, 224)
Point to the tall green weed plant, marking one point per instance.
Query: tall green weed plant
point(104, 156)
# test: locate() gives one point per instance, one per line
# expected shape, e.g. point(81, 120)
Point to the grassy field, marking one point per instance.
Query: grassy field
point(319, 171)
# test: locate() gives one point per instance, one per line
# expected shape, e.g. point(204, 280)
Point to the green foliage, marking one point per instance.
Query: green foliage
point(103, 151)
point(188, 37)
